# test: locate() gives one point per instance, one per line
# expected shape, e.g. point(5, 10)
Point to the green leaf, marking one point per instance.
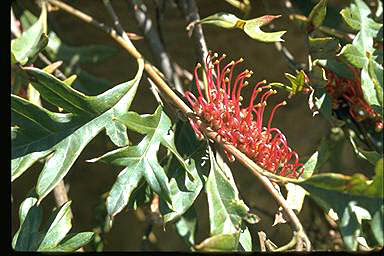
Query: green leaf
point(338, 67)
point(317, 15)
point(296, 194)
point(53, 237)
point(356, 17)
point(127, 180)
point(184, 188)
point(354, 56)
point(67, 134)
point(321, 101)
point(297, 83)
point(368, 88)
point(375, 71)
point(58, 226)
point(219, 243)
point(226, 210)
point(186, 227)
point(370, 156)
point(245, 240)
point(30, 217)
point(57, 50)
point(323, 47)
point(250, 27)
point(377, 224)
point(221, 19)
point(142, 160)
point(158, 126)
point(73, 242)
point(351, 198)
point(31, 42)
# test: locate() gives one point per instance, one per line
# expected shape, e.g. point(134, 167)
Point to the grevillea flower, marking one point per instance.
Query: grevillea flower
point(348, 91)
point(241, 126)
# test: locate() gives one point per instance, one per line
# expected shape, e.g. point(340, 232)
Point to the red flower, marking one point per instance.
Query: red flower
point(343, 91)
point(242, 127)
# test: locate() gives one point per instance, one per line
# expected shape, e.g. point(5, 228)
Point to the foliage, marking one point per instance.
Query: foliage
point(54, 118)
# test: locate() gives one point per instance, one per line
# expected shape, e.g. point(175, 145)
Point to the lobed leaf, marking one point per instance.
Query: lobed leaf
point(250, 27)
point(157, 128)
point(74, 130)
point(53, 237)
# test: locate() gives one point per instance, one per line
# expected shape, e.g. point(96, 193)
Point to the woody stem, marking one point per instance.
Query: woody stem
point(159, 82)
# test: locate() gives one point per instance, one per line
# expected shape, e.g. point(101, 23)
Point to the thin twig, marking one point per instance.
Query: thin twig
point(116, 21)
point(191, 14)
point(255, 169)
point(155, 44)
point(293, 64)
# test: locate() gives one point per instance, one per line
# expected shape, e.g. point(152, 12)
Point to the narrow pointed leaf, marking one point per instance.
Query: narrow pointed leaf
point(127, 180)
point(58, 226)
point(72, 242)
point(32, 41)
point(219, 243)
point(226, 210)
point(245, 240)
point(30, 218)
point(53, 237)
point(221, 19)
point(185, 187)
point(376, 75)
point(317, 15)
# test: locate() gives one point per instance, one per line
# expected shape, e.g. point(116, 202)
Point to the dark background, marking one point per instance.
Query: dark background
point(88, 181)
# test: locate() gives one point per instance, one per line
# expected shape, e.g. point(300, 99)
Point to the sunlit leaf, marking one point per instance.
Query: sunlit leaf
point(251, 27)
point(226, 210)
point(72, 242)
point(53, 236)
point(356, 16)
point(221, 19)
point(186, 226)
point(219, 243)
point(375, 71)
point(317, 15)
point(63, 135)
point(141, 162)
point(32, 41)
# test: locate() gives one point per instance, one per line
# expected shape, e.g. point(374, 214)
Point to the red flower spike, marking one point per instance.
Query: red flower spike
point(242, 127)
point(350, 91)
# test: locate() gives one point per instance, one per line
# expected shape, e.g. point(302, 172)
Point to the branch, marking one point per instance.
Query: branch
point(155, 44)
point(293, 64)
point(191, 14)
point(253, 167)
